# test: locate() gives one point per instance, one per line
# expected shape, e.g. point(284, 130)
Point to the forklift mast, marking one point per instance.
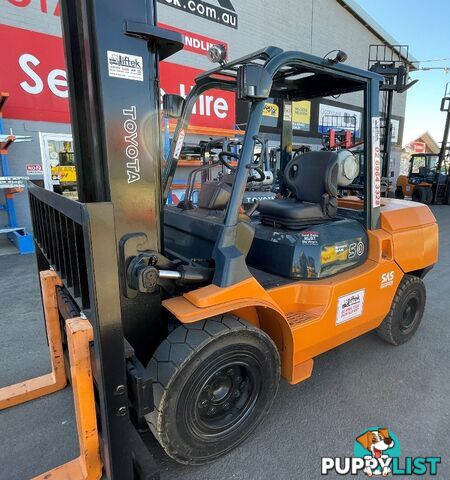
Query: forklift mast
point(112, 50)
point(445, 107)
point(111, 47)
point(392, 62)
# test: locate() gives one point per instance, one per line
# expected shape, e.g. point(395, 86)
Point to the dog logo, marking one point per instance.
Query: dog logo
point(376, 452)
point(377, 442)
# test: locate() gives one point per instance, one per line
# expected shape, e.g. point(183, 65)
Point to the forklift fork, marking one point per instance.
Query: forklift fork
point(51, 382)
point(88, 465)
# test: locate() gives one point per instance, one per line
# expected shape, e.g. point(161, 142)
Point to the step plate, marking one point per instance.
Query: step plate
point(299, 318)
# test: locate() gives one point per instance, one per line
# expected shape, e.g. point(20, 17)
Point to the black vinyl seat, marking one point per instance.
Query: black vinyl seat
point(313, 180)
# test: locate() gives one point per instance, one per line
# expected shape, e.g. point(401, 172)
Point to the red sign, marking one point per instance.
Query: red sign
point(215, 108)
point(418, 147)
point(194, 42)
point(37, 82)
point(42, 5)
point(34, 74)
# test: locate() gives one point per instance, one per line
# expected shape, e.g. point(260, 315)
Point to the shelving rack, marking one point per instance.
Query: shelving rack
point(11, 185)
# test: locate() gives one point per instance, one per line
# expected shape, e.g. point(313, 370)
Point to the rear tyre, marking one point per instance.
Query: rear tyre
point(406, 312)
point(420, 195)
point(216, 381)
point(399, 193)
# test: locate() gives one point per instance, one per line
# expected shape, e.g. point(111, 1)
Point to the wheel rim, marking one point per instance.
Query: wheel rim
point(223, 396)
point(409, 314)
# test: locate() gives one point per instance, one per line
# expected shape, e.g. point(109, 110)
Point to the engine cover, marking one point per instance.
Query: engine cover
point(314, 252)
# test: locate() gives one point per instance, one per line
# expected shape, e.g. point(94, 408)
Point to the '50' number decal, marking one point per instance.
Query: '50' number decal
point(356, 249)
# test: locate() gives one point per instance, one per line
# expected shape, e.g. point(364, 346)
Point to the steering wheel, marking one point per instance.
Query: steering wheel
point(261, 175)
point(260, 178)
point(225, 163)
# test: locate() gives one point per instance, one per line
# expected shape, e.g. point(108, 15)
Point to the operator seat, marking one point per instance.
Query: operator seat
point(214, 195)
point(193, 232)
point(313, 180)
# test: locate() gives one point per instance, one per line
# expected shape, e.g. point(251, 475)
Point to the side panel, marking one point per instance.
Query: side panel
point(355, 303)
point(306, 318)
point(322, 314)
point(414, 231)
point(416, 249)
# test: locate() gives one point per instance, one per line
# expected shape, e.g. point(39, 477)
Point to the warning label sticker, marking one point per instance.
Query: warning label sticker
point(350, 306)
point(179, 145)
point(123, 65)
point(310, 238)
point(287, 115)
point(376, 159)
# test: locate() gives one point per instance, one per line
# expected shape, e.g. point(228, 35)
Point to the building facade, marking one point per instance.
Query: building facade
point(34, 69)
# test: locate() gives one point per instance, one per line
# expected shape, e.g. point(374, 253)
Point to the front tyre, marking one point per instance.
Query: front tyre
point(406, 312)
point(215, 382)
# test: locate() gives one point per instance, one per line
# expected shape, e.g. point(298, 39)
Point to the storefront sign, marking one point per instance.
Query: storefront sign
point(34, 169)
point(50, 7)
point(35, 77)
point(340, 118)
point(37, 82)
point(215, 108)
point(271, 110)
point(221, 12)
point(193, 42)
point(301, 115)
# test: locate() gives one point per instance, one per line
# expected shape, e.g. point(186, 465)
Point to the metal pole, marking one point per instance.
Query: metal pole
point(387, 135)
point(445, 107)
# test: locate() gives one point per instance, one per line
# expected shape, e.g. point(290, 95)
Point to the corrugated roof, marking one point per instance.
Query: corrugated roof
point(362, 16)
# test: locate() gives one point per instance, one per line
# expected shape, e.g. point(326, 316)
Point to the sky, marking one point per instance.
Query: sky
point(424, 25)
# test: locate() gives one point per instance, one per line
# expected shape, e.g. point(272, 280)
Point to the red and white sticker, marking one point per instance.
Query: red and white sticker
point(350, 306)
point(34, 169)
point(376, 159)
point(179, 144)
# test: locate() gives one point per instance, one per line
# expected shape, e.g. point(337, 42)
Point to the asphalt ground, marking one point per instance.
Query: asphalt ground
point(362, 384)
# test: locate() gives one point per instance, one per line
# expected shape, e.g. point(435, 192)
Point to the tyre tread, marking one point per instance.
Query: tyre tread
point(384, 331)
point(167, 350)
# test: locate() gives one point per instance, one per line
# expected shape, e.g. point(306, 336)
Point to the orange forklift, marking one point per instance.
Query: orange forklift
point(423, 178)
point(428, 179)
point(197, 310)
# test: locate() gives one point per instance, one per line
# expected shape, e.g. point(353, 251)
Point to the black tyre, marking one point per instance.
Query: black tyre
point(216, 381)
point(429, 196)
point(399, 193)
point(406, 312)
point(420, 195)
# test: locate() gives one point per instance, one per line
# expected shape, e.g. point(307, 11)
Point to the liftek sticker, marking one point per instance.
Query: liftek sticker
point(123, 65)
point(376, 159)
point(179, 145)
point(350, 306)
